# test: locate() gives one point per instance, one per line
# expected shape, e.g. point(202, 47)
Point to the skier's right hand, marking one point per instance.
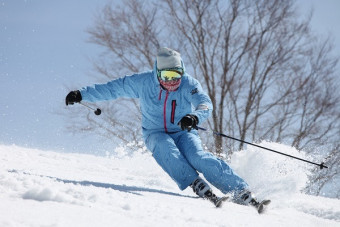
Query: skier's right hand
point(188, 122)
point(73, 97)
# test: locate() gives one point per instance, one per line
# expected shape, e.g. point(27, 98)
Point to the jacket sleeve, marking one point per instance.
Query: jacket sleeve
point(123, 87)
point(201, 102)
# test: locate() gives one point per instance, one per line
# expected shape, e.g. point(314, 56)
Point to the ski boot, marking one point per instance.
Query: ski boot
point(245, 198)
point(217, 201)
point(203, 190)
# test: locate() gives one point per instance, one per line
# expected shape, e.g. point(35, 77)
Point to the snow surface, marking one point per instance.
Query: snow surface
point(46, 188)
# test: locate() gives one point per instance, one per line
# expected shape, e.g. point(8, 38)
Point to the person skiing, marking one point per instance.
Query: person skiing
point(173, 104)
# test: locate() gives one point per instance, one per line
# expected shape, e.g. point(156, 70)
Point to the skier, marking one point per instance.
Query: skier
point(173, 104)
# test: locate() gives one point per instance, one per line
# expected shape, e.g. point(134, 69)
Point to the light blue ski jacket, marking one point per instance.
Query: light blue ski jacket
point(161, 109)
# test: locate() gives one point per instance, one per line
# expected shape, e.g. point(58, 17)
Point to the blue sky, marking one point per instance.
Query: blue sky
point(44, 52)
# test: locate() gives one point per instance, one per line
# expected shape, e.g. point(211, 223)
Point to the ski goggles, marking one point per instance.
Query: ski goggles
point(170, 74)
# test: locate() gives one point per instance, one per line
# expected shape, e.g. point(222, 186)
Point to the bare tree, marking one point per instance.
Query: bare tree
point(129, 37)
point(252, 57)
point(267, 75)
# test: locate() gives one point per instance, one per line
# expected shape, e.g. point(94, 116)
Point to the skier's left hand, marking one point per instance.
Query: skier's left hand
point(188, 122)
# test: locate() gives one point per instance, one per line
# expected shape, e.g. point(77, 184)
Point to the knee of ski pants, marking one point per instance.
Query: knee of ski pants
point(215, 170)
point(202, 161)
point(172, 161)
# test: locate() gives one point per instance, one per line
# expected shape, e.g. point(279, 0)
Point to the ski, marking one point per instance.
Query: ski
point(261, 207)
point(219, 201)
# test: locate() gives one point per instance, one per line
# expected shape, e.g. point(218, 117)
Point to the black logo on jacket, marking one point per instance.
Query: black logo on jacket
point(194, 91)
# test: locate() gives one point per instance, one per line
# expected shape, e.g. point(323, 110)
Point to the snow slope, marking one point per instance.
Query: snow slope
point(45, 188)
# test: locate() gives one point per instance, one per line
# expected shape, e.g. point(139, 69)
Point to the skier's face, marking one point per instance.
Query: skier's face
point(170, 79)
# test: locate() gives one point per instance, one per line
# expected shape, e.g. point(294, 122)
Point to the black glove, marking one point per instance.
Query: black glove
point(188, 122)
point(72, 97)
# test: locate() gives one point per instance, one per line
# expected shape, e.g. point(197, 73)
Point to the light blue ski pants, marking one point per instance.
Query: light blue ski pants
point(181, 155)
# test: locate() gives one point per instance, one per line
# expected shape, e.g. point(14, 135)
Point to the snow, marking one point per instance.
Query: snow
point(47, 188)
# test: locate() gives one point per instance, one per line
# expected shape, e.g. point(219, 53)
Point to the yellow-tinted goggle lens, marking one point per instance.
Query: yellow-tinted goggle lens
point(170, 75)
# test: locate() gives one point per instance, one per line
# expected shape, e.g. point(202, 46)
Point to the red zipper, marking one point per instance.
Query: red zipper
point(164, 110)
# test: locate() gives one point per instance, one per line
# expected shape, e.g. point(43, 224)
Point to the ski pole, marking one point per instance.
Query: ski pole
point(96, 111)
point(321, 165)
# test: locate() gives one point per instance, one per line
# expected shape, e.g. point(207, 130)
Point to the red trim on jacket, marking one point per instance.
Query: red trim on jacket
point(164, 110)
